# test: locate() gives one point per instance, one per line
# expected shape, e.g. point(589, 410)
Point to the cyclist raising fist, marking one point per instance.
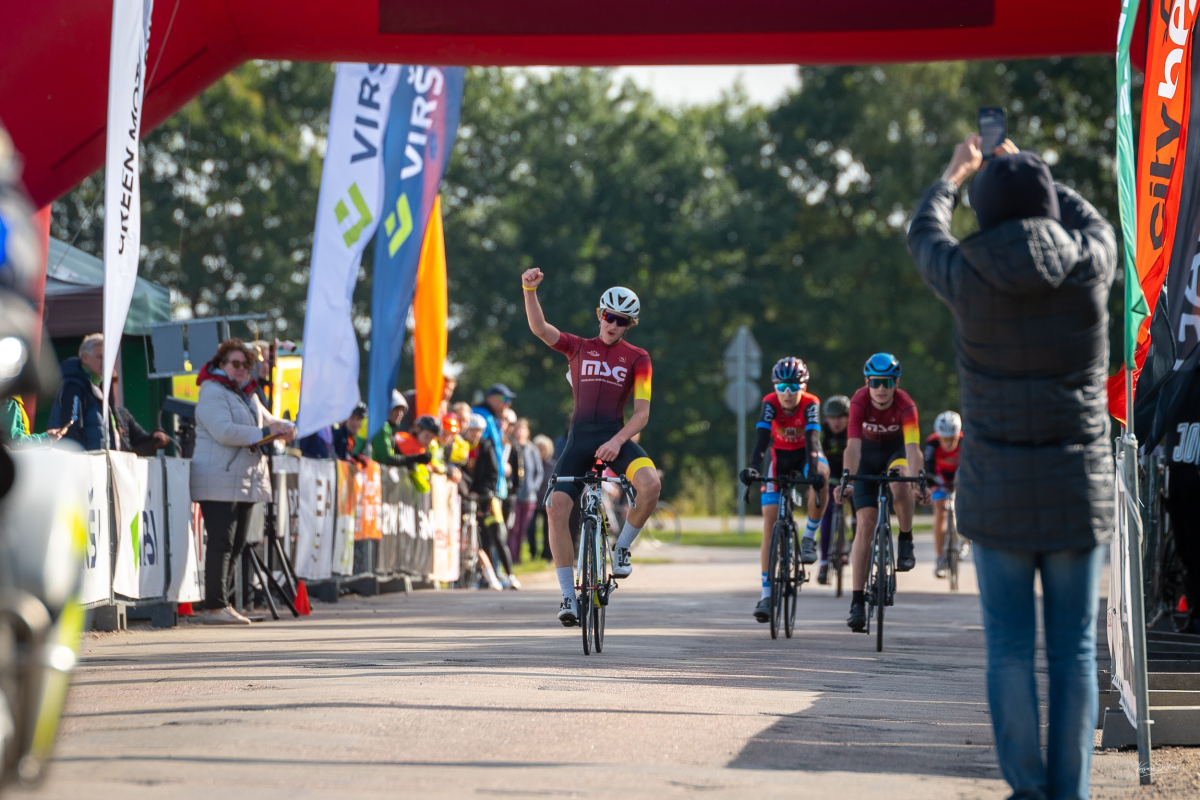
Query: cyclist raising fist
point(605, 371)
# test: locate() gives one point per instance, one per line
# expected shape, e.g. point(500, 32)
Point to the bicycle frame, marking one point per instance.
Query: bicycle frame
point(784, 550)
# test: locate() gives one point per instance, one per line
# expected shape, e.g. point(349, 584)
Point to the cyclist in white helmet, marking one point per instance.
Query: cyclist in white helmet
point(606, 371)
point(942, 450)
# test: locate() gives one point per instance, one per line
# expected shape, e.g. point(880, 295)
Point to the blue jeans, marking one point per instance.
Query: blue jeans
point(1070, 593)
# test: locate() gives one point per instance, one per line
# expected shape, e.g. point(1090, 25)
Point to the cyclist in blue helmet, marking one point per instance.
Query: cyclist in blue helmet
point(883, 433)
point(790, 427)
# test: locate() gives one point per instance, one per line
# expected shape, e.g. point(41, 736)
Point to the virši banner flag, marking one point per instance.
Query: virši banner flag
point(430, 309)
point(420, 137)
point(122, 183)
point(1160, 202)
point(348, 207)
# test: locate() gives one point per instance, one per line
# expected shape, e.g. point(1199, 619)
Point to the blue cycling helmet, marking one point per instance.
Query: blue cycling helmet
point(789, 369)
point(882, 365)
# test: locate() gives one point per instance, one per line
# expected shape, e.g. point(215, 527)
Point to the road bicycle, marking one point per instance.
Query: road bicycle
point(470, 566)
point(784, 570)
point(595, 583)
point(881, 581)
point(839, 548)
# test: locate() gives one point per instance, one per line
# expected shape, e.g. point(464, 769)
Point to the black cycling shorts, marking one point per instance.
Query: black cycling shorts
point(579, 455)
point(876, 459)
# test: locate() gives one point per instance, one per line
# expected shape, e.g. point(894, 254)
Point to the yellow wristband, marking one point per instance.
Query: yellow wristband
point(529, 288)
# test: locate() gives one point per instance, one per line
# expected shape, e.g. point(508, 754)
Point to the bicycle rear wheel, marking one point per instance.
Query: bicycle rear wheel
point(775, 570)
point(664, 526)
point(883, 555)
point(792, 583)
point(587, 545)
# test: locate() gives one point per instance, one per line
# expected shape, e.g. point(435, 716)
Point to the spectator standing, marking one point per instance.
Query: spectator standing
point(463, 412)
point(14, 426)
point(486, 475)
point(545, 446)
point(528, 484)
point(347, 444)
point(1029, 295)
point(228, 474)
point(497, 398)
point(79, 405)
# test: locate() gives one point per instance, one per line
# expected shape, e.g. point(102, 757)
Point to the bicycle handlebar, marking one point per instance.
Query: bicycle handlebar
point(593, 478)
point(893, 476)
point(784, 481)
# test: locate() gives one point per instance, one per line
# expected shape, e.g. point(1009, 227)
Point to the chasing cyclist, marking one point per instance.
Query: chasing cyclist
point(942, 450)
point(883, 433)
point(605, 372)
point(833, 444)
point(790, 424)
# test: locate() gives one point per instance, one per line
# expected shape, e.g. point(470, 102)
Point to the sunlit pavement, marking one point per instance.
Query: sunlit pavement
point(449, 694)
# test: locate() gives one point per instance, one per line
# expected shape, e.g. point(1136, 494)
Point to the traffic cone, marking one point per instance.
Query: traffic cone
point(302, 604)
point(1183, 606)
point(184, 610)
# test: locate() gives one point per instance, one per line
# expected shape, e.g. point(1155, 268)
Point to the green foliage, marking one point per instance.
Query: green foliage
point(790, 220)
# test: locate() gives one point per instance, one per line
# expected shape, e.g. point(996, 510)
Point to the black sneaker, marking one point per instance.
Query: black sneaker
point(762, 611)
point(857, 621)
point(823, 575)
point(906, 559)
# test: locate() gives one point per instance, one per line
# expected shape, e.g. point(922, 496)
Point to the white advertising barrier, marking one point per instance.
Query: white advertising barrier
point(314, 539)
point(287, 501)
point(183, 534)
point(445, 519)
point(129, 496)
point(1120, 610)
point(96, 586)
point(343, 548)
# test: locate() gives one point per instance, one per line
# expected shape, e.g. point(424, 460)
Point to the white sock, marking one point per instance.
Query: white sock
point(766, 586)
point(566, 580)
point(628, 535)
point(810, 528)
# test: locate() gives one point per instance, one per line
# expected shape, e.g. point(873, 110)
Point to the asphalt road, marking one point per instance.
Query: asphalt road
point(452, 694)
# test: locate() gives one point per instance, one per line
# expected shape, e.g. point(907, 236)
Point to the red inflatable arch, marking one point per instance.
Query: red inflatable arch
point(53, 86)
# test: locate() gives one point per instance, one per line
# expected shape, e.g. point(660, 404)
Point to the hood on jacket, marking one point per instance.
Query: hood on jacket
point(73, 370)
point(1023, 256)
point(1013, 186)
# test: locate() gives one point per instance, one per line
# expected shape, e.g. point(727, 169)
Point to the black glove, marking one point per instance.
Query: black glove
point(747, 475)
point(422, 458)
point(818, 482)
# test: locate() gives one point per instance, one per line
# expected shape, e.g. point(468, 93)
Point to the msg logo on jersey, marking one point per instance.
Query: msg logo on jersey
point(603, 370)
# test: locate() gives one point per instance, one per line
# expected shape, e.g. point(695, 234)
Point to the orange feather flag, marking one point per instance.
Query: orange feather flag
point(430, 309)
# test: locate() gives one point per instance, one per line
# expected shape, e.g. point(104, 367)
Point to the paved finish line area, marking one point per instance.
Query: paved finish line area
point(452, 694)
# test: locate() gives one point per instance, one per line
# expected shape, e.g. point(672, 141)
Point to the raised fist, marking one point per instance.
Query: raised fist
point(530, 278)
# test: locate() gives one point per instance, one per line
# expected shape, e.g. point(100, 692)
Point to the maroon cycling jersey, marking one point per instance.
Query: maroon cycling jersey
point(941, 462)
point(895, 425)
point(787, 430)
point(603, 377)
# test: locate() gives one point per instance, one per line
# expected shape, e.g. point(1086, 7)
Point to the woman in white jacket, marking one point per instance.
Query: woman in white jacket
point(229, 475)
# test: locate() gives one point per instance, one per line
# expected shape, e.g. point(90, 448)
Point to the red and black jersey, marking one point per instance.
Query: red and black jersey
point(895, 425)
point(941, 462)
point(604, 376)
point(787, 430)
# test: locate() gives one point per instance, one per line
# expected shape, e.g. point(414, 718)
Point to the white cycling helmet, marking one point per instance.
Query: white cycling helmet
point(948, 424)
point(620, 300)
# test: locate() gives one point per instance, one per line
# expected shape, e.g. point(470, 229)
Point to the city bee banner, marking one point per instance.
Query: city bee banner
point(420, 136)
point(348, 210)
point(122, 184)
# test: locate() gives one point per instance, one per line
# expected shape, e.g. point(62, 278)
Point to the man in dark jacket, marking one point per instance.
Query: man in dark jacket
point(1035, 485)
point(79, 405)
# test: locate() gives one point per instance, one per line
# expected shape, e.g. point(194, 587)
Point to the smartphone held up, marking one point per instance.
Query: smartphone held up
point(993, 129)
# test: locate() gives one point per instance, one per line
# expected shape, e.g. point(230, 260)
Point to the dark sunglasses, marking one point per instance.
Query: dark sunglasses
point(236, 364)
point(787, 388)
point(882, 383)
point(620, 322)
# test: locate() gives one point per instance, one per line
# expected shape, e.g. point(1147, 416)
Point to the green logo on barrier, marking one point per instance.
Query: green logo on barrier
point(364, 215)
point(137, 541)
point(398, 233)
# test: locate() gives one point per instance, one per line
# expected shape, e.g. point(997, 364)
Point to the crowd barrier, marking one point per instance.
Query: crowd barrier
point(341, 524)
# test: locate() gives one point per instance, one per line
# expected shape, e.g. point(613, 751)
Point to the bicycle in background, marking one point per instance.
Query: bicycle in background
point(880, 589)
point(839, 548)
point(784, 569)
point(595, 583)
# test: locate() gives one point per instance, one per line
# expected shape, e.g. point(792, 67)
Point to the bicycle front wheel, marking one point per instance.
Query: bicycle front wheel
point(883, 555)
point(776, 565)
point(952, 553)
point(838, 555)
point(792, 583)
point(586, 580)
point(600, 596)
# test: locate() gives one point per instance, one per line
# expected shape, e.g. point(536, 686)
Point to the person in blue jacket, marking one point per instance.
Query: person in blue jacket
point(497, 398)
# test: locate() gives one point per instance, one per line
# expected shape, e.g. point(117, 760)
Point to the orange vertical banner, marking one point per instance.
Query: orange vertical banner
point(430, 310)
